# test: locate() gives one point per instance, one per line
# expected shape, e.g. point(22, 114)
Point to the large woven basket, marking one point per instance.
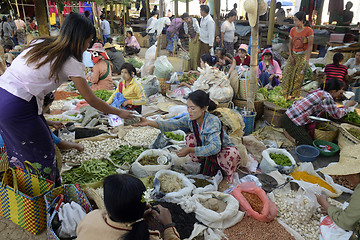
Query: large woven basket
point(164, 85)
point(345, 137)
point(224, 104)
point(259, 106)
point(326, 132)
point(273, 113)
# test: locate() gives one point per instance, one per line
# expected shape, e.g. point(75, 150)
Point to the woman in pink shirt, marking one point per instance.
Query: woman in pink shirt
point(268, 71)
point(131, 44)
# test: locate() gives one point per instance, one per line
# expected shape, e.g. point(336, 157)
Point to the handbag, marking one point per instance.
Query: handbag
point(70, 193)
point(244, 84)
point(22, 197)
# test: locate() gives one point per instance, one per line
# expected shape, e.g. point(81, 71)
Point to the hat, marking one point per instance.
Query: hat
point(244, 47)
point(108, 45)
point(349, 162)
point(250, 6)
point(97, 47)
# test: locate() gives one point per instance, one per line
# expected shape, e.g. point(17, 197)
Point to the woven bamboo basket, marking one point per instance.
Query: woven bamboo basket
point(4, 163)
point(164, 85)
point(259, 106)
point(95, 197)
point(326, 132)
point(224, 104)
point(273, 113)
point(345, 137)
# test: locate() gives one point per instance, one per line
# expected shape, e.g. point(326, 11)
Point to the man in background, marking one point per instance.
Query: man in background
point(207, 32)
point(105, 28)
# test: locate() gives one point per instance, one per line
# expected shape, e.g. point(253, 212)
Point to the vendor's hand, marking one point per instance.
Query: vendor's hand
point(183, 152)
point(143, 122)
point(322, 199)
point(124, 114)
point(350, 103)
point(57, 125)
point(125, 103)
point(292, 60)
point(163, 214)
point(182, 84)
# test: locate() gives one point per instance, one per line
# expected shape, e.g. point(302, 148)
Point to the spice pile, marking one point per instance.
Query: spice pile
point(61, 95)
point(214, 204)
point(254, 201)
point(341, 180)
point(250, 228)
point(170, 183)
point(312, 179)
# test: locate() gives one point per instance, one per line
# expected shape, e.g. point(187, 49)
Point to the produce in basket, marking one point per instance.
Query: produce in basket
point(188, 78)
point(126, 154)
point(173, 136)
point(90, 171)
point(280, 159)
point(170, 183)
point(276, 96)
point(355, 132)
point(149, 160)
point(353, 117)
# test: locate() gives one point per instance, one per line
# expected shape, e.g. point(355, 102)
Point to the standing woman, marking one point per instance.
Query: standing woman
point(192, 29)
point(172, 34)
point(208, 143)
point(300, 47)
point(41, 68)
point(228, 33)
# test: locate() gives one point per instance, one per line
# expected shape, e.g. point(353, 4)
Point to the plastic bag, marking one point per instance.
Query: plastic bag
point(148, 68)
point(304, 206)
point(177, 110)
point(315, 188)
point(70, 105)
point(163, 67)
point(150, 85)
point(221, 93)
point(175, 142)
point(268, 165)
point(72, 115)
point(173, 197)
point(269, 210)
point(115, 120)
point(174, 78)
point(330, 231)
point(164, 162)
point(229, 217)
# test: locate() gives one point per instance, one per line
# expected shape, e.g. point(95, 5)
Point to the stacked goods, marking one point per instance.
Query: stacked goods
point(188, 78)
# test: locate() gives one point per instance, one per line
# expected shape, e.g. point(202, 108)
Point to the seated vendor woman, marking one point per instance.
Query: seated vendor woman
point(101, 77)
point(268, 71)
point(349, 167)
point(224, 59)
point(336, 69)
point(241, 59)
point(295, 120)
point(208, 143)
point(125, 214)
point(130, 93)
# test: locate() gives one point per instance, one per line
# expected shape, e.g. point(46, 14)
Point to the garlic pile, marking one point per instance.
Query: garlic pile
point(100, 191)
point(58, 104)
point(300, 217)
point(140, 136)
point(93, 149)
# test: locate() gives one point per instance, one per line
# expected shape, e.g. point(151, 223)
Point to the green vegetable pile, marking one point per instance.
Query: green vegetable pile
point(173, 136)
point(126, 154)
point(355, 132)
point(90, 171)
point(319, 65)
point(149, 160)
point(135, 62)
point(280, 159)
point(276, 96)
point(353, 117)
point(309, 74)
point(102, 94)
point(188, 78)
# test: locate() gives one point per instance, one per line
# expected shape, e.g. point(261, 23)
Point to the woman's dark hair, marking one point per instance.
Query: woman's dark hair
point(109, 40)
point(87, 13)
point(185, 15)
point(4, 18)
point(222, 51)
point(205, 8)
point(122, 199)
point(130, 32)
point(113, 49)
point(337, 58)
point(332, 84)
point(202, 99)
point(207, 58)
point(301, 16)
point(48, 99)
point(129, 67)
point(231, 14)
point(75, 30)
point(153, 14)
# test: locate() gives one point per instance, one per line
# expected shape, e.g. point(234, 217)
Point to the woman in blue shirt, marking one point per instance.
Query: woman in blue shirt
point(208, 143)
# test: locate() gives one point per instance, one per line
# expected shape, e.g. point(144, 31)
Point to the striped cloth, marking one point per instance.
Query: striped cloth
point(335, 71)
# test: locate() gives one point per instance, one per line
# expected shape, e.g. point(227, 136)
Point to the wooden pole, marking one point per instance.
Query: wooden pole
point(23, 9)
point(147, 9)
point(319, 14)
point(42, 18)
point(253, 62)
point(112, 15)
point(270, 33)
point(127, 13)
point(17, 8)
point(161, 7)
point(187, 6)
point(176, 8)
point(217, 6)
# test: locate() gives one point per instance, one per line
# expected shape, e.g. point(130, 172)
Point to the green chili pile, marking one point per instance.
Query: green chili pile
point(280, 159)
point(173, 136)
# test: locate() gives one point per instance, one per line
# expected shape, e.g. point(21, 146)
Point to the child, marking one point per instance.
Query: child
point(268, 71)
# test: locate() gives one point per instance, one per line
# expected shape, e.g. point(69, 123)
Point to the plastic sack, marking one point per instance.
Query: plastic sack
point(213, 182)
point(268, 165)
point(72, 115)
point(254, 147)
point(173, 197)
point(228, 218)
point(164, 161)
point(315, 188)
point(304, 204)
point(221, 93)
point(174, 78)
point(70, 105)
point(163, 67)
point(150, 85)
point(269, 210)
point(177, 110)
point(115, 120)
point(148, 68)
point(70, 215)
point(119, 99)
point(330, 231)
